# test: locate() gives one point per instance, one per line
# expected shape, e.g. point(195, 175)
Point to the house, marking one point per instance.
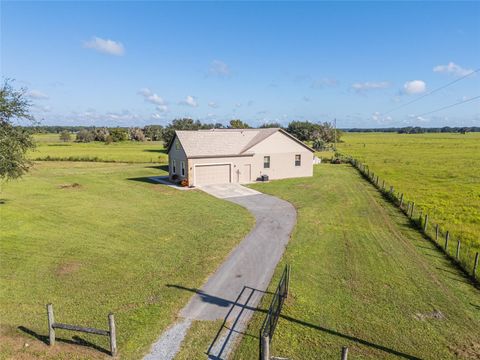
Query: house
point(219, 156)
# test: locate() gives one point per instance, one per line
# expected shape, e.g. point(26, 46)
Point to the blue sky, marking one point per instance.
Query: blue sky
point(137, 63)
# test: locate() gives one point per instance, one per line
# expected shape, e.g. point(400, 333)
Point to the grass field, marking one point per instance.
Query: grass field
point(111, 243)
point(50, 147)
point(363, 278)
point(440, 172)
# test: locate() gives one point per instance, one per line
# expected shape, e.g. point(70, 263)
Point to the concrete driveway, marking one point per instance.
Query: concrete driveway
point(234, 290)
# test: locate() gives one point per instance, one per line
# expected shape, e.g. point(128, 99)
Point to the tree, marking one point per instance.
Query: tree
point(302, 130)
point(15, 141)
point(319, 144)
point(153, 132)
point(270, 125)
point(238, 124)
point(118, 134)
point(100, 134)
point(136, 134)
point(65, 136)
point(85, 136)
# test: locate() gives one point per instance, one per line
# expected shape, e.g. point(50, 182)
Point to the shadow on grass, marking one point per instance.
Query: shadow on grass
point(76, 340)
point(158, 167)
point(144, 180)
point(162, 151)
point(214, 299)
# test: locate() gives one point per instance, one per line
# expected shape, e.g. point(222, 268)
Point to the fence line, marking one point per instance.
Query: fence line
point(467, 260)
point(267, 329)
point(111, 332)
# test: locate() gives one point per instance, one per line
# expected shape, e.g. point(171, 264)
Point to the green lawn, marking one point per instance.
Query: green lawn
point(363, 278)
point(50, 147)
point(440, 172)
point(111, 243)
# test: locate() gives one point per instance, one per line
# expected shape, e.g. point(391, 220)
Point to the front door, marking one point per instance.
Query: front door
point(245, 174)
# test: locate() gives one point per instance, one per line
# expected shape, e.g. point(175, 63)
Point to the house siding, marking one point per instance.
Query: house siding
point(178, 155)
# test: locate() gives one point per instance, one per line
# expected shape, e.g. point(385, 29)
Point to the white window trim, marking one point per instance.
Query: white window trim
point(174, 166)
point(299, 161)
point(269, 161)
point(182, 168)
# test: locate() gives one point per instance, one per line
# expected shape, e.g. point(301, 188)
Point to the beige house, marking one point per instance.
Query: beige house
point(219, 156)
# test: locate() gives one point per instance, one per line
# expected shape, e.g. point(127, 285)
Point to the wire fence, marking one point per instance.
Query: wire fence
point(462, 255)
point(267, 330)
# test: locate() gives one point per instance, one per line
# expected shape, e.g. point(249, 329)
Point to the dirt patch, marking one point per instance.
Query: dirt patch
point(70, 186)
point(68, 268)
point(436, 315)
point(467, 351)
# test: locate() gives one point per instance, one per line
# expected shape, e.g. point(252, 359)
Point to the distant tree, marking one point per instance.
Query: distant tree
point(100, 134)
point(270, 125)
point(15, 142)
point(136, 134)
point(85, 136)
point(65, 136)
point(118, 134)
point(319, 144)
point(302, 130)
point(153, 132)
point(238, 124)
point(108, 140)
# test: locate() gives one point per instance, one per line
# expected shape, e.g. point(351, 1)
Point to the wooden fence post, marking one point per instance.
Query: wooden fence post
point(458, 250)
point(265, 348)
point(425, 226)
point(344, 353)
point(475, 265)
point(447, 236)
point(113, 334)
point(51, 321)
point(413, 208)
point(437, 228)
point(401, 201)
point(383, 185)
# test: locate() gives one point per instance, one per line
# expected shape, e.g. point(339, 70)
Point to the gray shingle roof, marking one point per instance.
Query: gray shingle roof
point(222, 142)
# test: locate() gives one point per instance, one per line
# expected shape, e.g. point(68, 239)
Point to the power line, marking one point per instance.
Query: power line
point(449, 106)
point(432, 92)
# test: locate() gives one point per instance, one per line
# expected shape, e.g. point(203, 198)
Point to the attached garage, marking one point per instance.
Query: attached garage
point(210, 174)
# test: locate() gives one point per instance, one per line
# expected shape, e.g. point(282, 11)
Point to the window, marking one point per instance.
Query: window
point(177, 144)
point(182, 168)
point(174, 166)
point(298, 160)
point(266, 162)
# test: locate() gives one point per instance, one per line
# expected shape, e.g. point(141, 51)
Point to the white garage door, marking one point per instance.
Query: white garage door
point(212, 174)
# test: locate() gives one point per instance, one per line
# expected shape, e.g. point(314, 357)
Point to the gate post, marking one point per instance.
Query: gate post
point(51, 321)
point(265, 348)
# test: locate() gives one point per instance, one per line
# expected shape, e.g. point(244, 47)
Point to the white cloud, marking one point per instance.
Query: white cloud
point(189, 101)
point(107, 46)
point(415, 87)
point(162, 108)
point(38, 95)
point(452, 68)
point(151, 97)
point(213, 104)
point(360, 87)
point(219, 68)
point(156, 116)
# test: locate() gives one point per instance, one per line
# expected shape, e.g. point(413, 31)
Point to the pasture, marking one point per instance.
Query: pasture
point(362, 277)
point(49, 147)
point(98, 237)
point(440, 172)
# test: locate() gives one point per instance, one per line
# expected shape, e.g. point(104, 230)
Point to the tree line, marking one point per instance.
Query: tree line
point(318, 134)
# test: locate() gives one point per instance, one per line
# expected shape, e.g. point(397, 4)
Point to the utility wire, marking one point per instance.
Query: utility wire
point(432, 92)
point(449, 106)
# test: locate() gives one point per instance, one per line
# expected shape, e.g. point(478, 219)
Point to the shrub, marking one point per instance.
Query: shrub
point(85, 136)
point(65, 136)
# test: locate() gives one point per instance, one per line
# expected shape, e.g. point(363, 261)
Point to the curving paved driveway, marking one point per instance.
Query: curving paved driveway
point(234, 290)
